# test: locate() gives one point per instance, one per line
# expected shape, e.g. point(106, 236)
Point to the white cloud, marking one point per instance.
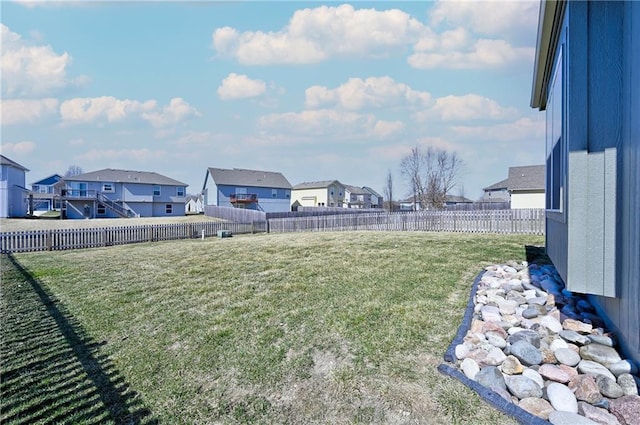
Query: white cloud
point(326, 122)
point(15, 111)
point(466, 108)
point(483, 53)
point(88, 110)
point(195, 138)
point(314, 35)
point(499, 17)
point(32, 70)
point(240, 87)
point(172, 114)
point(356, 94)
point(76, 142)
point(19, 148)
point(523, 128)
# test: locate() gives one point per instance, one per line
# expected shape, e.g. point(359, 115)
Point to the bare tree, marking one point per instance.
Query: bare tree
point(388, 191)
point(73, 170)
point(431, 174)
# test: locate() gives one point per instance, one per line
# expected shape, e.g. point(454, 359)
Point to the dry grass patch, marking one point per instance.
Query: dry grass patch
point(288, 328)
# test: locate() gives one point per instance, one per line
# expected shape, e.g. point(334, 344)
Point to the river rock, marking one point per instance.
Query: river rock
point(594, 368)
point(624, 366)
point(551, 323)
point(495, 339)
point(628, 384)
point(522, 387)
point(554, 373)
point(569, 418)
point(585, 388)
point(602, 340)
point(567, 356)
point(597, 414)
point(491, 377)
point(534, 376)
point(528, 335)
point(626, 409)
point(602, 354)
point(562, 398)
point(536, 406)
point(577, 326)
point(494, 357)
point(470, 368)
point(558, 343)
point(609, 387)
point(575, 337)
point(529, 313)
point(526, 353)
point(511, 366)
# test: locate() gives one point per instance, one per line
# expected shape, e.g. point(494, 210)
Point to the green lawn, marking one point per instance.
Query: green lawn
point(326, 328)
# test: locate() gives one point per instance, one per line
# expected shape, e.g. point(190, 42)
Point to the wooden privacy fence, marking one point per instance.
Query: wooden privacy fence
point(522, 221)
point(61, 239)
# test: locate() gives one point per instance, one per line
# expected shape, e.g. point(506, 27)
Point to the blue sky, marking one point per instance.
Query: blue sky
point(317, 91)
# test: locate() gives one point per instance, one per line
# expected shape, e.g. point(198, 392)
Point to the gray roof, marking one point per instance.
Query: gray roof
point(250, 178)
point(316, 185)
point(458, 199)
point(371, 191)
point(6, 161)
point(527, 177)
point(530, 177)
point(356, 190)
point(125, 176)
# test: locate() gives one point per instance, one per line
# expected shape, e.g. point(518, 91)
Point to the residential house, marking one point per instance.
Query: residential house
point(453, 200)
point(13, 193)
point(377, 201)
point(266, 191)
point(194, 204)
point(326, 193)
point(524, 188)
point(46, 194)
point(586, 79)
point(111, 193)
point(356, 197)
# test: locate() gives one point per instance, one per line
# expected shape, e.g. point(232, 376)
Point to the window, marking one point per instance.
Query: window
point(274, 193)
point(156, 190)
point(556, 149)
point(108, 188)
point(288, 194)
point(179, 191)
point(101, 210)
point(168, 209)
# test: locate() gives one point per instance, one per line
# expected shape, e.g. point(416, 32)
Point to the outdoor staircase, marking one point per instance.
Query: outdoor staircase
point(114, 206)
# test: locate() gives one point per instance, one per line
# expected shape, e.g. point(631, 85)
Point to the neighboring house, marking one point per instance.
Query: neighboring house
point(524, 188)
point(356, 197)
point(194, 204)
point(452, 200)
point(586, 79)
point(13, 193)
point(326, 193)
point(266, 191)
point(46, 193)
point(377, 201)
point(113, 193)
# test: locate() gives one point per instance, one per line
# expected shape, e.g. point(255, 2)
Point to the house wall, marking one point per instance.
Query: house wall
point(310, 197)
point(500, 195)
point(269, 199)
point(12, 199)
point(624, 310)
point(527, 200)
point(595, 241)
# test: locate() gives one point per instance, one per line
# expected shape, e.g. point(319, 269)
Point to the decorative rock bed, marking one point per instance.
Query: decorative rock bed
point(540, 353)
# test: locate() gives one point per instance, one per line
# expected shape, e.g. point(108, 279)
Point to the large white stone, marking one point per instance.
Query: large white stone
point(569, 418)
point(594, 369)
point(470, 368)
point(551, 323)
point(562, 398)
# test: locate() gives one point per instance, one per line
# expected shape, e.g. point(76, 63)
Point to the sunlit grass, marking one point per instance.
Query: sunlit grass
point(287, 328)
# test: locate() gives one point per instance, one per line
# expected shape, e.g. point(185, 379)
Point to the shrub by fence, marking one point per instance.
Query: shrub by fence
point(62, 239)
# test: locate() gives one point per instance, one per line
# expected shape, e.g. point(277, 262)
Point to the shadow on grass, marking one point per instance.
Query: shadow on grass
point(51, 371)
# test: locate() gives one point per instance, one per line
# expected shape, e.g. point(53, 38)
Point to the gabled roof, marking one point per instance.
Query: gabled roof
point(48, 181)
point(502, 184)
point(250, 178)
point(458, 199)
point(6, 161)
point(356, 190)
point(528, 177)
point(125, 176)
point(371, 191)
point(316, 185)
